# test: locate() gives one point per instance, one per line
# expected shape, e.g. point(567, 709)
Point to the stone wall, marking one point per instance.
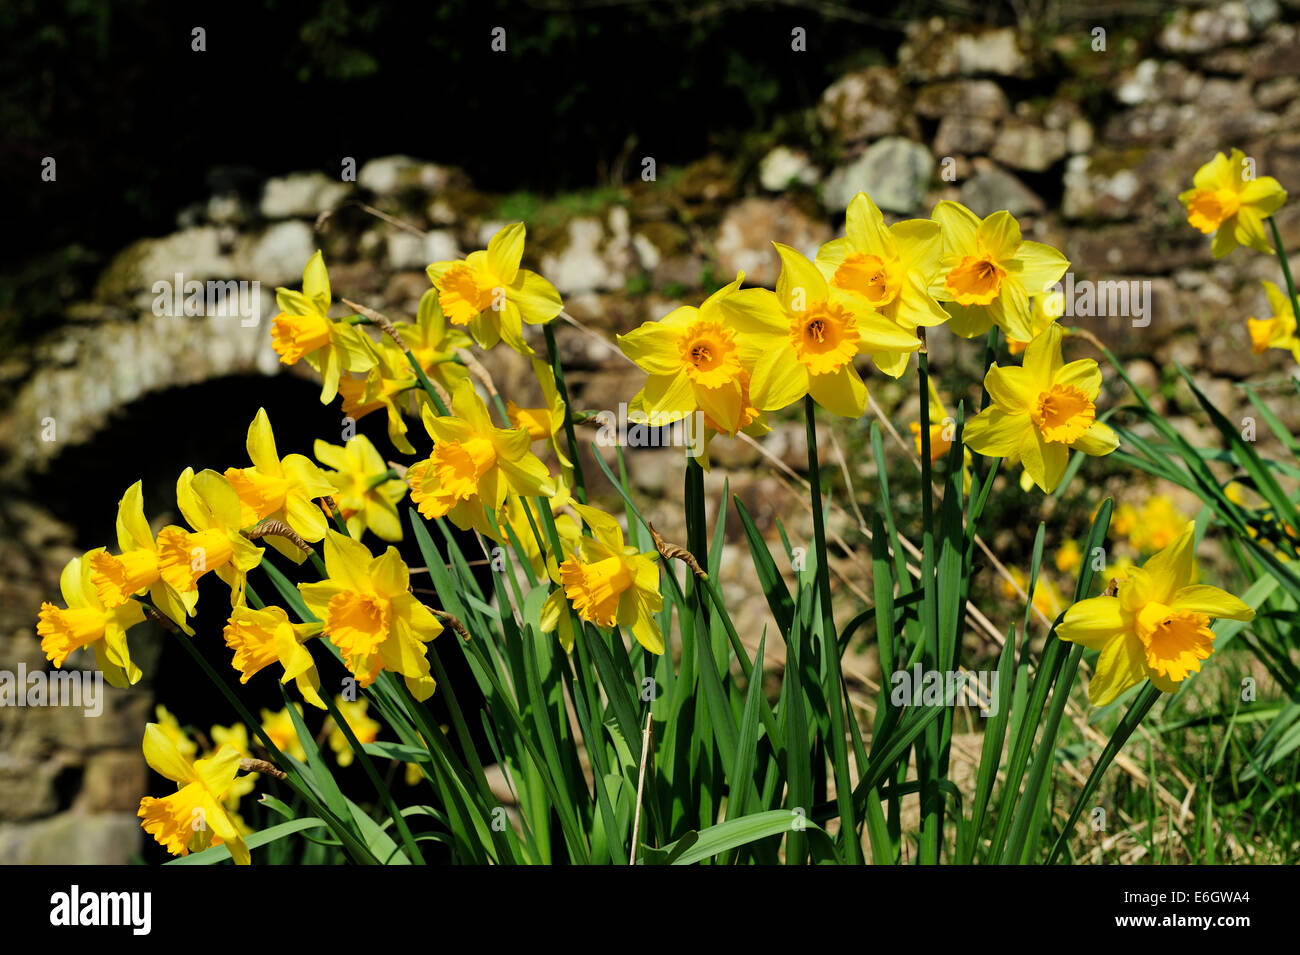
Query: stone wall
point(1089, 148)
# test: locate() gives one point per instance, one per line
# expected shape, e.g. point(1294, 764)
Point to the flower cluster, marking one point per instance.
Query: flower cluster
point(364, 606)
point(866, 300)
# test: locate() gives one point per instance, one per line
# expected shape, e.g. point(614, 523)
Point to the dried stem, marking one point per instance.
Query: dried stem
point(276, 528)
point(452, 622)
point(261, 766)
point(671, 551)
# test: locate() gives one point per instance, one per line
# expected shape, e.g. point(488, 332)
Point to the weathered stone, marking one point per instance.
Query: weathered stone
point(749, 228)
point(861, 105)
point(1078, 136)
point(1153, 80)
point(1024, 146)
point(1146, 124)
point(1196, 31)
point(27, 790)
point(303, 195)
point(1276, 93)
point(708, 181)
point(1182, 349)
point(977, 99)
point(991, 189)
point(1276, 56)
point(1136, 248)
point(1099, 195)
point(582, 266)
point(277, 256)
point(113, 782)
point(390, 175)
point(227, 209)
point(1147, 379)
point(406, 250)
point(895, 172)
point(784, 167)
point(937, 49)
point(72, 838)
point(194, 253)
point(1225, 350)
point(963, 135)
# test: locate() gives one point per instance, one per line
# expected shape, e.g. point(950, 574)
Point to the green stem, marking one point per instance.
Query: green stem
point(427, 385)
point(318, 563)
point(1286, 266)
point(337, 515)
point(928, 758)
point(377, 479)
point(355, 848)
point(408, 840)
point(579, 484)
point(1140, 707)
point(830, 649)
point(990, 353)
point(420, 376)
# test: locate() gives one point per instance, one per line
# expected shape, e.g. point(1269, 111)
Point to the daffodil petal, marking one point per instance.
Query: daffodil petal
point(1171, 569)
point(1093, 623)
point(1201, 598)
point(1122, 664)
point(164, 758)
point(841, 392)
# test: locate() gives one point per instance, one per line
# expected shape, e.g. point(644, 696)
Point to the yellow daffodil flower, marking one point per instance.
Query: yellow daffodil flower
point(1040, 411)
point(117, 578)
point(278, 489)
point(473, 465)
point(1043, 311)
point(1225, 202)
point(279, 727)
point(194, 817)
point(608, 583)
point(889, 268)
point(1156, 627)
point(489, 292)
point(88, 622)
point(366, 496)
point(1047, 598)
point(989, 272)
point(806, 336)
point(751, 422)
point(1278, 331)
point(1068, 556)
point(212, 507)
point(302, 330)
point(389, 386)
point(434, 344)
point(363, 728)
point(1159, 523)
point(368, 612)
point(943, 429)
point(516, 514)
point(171, 728)
point(1122, 521)
point(1236, 492)
point(236, 737)
point(547, 422)
point(1119, 570)
point(262, 637)
point(694, 359)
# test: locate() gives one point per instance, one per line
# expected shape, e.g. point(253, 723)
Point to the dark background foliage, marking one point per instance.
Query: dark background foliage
point(140, 124)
